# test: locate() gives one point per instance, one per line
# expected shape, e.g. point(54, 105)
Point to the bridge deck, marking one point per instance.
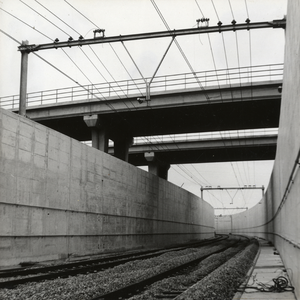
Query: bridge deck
point(248, 107)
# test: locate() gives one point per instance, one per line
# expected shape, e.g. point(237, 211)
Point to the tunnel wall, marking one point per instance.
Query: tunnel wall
point(277, 217)
point(61, 198)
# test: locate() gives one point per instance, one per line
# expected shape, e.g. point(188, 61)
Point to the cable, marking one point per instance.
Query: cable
point(57, 69)
point(101, 61)
point(44, 17)
point(180, 49)
point(8, 35)
point(114, 53)
point(200, 174)
point(238, 59)
point(32, 27)
point(79, 47)
point(15, 40)
point(62, 71)
point(281, 284)
point(240, 84)
point(91, 62)
point(65, 51)
point(210, 44)
point(83, 52)
point(113, 49)
point(199, 8)
point(231, 9)
point(126, 69)
point(81, 14)
point(57, 17)
point(107, 70)
point(216, 69)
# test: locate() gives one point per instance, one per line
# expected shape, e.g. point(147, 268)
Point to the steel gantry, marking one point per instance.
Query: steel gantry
point(100, 38)
point(246, 187)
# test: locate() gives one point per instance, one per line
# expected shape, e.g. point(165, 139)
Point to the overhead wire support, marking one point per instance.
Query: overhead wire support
point(151, 35)
point(246, 187)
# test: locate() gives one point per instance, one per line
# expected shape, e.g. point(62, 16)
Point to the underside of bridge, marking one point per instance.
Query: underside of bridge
point(241, 153)
point(176, 120)
point(214, 109)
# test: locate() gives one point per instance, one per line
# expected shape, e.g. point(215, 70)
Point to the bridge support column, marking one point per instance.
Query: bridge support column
point(157, 167)
point(121, 147)
point(99, 134)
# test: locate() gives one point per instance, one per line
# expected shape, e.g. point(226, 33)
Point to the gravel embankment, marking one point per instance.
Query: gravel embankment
point(222, 283)
point(84, 287)
point(182, 282)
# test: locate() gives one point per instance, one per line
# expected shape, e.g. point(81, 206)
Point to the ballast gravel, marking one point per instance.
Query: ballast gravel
point(184, 281)
point(85, 287)
point(222, 283)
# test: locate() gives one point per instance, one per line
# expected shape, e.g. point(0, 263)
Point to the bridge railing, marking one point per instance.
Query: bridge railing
point(137, 87)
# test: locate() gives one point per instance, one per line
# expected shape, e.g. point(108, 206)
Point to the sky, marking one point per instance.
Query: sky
point(41, 21)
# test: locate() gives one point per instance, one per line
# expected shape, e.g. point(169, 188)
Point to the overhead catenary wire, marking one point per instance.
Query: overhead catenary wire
point(69, 57)
point(53, 66)
point(179, 48)
point(212, 1)
point(58, 17)
point(97, 56)
point(238, 61)
point(81, 13)
point(73, 7)
point(74, 61)
point(250, 58)
point(125, 69)
point(50, 64)
point(214, 62)
point(44, 18)
point(110, 46)
point(32, 27)
point(79, 47)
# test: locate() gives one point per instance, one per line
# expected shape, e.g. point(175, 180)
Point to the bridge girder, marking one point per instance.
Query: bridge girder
point(203, 151)
point(250, 107)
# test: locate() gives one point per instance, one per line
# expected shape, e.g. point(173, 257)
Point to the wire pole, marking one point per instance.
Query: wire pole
point(23, 80)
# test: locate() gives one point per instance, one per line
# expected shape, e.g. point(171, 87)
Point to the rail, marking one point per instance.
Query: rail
point(137, 87)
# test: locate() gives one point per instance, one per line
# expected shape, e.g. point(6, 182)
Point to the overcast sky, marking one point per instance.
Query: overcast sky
point(46, 21)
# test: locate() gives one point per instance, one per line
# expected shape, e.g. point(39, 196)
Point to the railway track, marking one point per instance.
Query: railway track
point(128, 291)
point(9, 279)
point(167, 276)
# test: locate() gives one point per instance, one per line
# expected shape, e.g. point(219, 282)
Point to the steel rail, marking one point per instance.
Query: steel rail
point(136, 287)
point(82, 267)
point(151, 35)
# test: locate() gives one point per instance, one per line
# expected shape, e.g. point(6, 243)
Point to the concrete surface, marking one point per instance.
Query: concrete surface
point(268, 266)
point(61, 198)
point(277, 217)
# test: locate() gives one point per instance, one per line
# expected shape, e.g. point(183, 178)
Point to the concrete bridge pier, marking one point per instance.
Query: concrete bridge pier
point(121, 146)
point(99, 133)
point(157, 167)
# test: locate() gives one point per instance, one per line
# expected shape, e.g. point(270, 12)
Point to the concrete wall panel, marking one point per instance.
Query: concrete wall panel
point(61, 198)
point(277, 218)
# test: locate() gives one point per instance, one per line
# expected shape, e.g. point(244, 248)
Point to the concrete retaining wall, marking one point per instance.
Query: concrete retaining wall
point(61, 198)
point(277, 218)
